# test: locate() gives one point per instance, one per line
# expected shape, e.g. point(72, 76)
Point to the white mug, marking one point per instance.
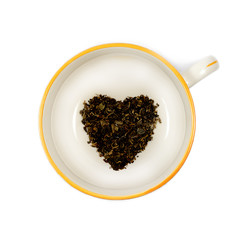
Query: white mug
point(119, 70)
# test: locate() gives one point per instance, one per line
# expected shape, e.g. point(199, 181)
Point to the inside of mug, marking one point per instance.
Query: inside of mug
point(117, 72)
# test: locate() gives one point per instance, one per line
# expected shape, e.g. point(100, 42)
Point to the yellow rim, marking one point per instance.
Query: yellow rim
point(126, 45)
point(210, 64)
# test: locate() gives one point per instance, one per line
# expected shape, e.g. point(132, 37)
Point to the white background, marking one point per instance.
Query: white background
point(201, 202)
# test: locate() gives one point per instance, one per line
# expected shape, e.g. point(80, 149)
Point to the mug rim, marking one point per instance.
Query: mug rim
point(187, 91)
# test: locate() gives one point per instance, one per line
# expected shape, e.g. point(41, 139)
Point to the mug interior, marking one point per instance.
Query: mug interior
point(118, 72)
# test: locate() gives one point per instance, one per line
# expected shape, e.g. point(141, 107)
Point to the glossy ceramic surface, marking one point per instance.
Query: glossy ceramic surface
point(119, 70)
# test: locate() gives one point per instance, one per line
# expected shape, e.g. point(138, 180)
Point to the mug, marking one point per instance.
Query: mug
point(119, 70)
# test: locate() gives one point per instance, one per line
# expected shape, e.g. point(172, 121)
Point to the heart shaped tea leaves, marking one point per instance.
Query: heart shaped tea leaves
point(119, 129)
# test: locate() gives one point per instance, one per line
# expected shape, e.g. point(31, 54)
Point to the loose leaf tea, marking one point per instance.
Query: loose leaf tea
point(119, 129)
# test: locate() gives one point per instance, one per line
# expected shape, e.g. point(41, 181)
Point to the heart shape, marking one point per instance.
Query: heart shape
point(119, 129)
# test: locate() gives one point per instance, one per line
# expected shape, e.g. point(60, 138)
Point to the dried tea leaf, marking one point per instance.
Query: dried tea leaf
point(101, 106)
point(119, 129)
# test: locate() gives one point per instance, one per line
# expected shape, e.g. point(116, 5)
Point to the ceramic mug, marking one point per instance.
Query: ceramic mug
point(119, 70)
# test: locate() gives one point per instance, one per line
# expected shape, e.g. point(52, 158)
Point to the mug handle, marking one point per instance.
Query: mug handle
point(200, 70)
